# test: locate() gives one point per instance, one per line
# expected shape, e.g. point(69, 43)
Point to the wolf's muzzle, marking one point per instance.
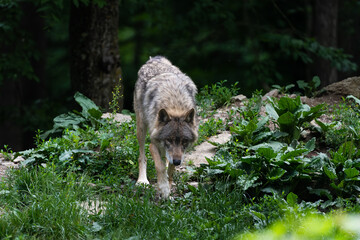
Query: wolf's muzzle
point(176, 162)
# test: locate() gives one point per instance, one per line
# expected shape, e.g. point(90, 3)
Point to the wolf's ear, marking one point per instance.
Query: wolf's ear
point(190, 115)
point(163, 116)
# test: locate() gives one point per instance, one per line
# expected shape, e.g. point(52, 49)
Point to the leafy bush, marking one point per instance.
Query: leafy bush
point(290, 115)
point(260, 161)
point(210, 128)
point(100, 147)
point(90, 116)
point(215, 96)
point(310, 87)
point(345, 125)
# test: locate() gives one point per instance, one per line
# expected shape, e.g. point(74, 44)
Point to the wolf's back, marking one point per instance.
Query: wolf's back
point(161, 85)
point(156, 66)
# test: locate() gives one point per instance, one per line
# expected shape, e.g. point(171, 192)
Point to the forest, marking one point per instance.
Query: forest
point(255, 43)
point(289, 168)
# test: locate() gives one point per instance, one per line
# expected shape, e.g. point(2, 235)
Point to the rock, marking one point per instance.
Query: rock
point(349, 86)
point(118, 117)
point(206, 149)
point(238, 98)
point(18, 159)
point(273, 93)
point(9, 164)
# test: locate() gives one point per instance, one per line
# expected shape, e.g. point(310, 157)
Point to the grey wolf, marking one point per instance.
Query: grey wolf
point(164, 103)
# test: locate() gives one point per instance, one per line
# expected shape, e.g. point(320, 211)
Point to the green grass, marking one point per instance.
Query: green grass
point(261, 181)
point(43, 204)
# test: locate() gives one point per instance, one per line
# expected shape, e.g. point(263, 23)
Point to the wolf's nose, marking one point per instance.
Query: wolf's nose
point(176, 162)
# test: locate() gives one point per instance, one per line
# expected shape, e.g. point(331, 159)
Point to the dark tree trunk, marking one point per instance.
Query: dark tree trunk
point(95, 62)
point(326, 16)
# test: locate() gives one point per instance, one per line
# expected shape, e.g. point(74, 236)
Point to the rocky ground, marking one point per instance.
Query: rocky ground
point(331, 95)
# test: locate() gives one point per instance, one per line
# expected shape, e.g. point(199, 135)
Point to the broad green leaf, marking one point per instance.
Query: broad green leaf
point(104, 144)
point(302, 84)
point(320, 192)
point(310, 145)
point(354, 98)
point(296, 133)
point(293, 154)
point(348, 163)
point(276, 146)
point(65, 156)
point(192, 188)
point(95, 113)
point(316, 81)
point(276, 173)
point(211, 172)
point(291, 198)
point(287, 119)
point(351, 172)
point(249, 159)
point(262, 123)
point(288, 87)
point(279, 134)
point(289, 104)
point(330, 172)
point(313, 113)
point(263, 136)
point(85, 103)
point(67, 120)
point(271, 111)
point(246, 181)
point(267, 153)
point(276, 86)
point(302, 110)
point(27, 161)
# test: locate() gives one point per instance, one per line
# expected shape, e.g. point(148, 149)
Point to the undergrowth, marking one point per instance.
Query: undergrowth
point(279, 170)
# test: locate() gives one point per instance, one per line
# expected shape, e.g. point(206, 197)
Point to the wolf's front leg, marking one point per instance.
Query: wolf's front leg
point(160, 165)
point(141, 134)
point(170, 171)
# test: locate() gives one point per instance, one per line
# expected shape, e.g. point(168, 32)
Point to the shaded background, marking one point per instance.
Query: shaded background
point(51, 49)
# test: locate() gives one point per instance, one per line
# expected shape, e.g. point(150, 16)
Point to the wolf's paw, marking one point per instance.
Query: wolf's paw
point(164, 190)
point(142, 182)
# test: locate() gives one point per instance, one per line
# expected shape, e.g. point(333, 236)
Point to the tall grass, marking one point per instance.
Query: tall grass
point(44, 205)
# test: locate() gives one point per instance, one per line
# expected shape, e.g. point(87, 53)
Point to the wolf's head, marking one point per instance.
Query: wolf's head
point(176, 134)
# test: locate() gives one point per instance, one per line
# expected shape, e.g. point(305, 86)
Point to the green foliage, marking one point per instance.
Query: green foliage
point(305, 48)
point(214, 96)
point(89, 116)
point(79, 185)
point(290, 115)
point(284, 89)
point(7, 153)
point(311, 87)
point(40, 203)
point(100, 147)
point(260, 161)
point(116, 98)
point(210, 128)
point(345, 125)
point(310, 226)
point(44, 205)
point(16, 56)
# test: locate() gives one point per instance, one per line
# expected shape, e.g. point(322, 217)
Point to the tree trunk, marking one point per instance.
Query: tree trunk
point(326, 15)
point(95, 62)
